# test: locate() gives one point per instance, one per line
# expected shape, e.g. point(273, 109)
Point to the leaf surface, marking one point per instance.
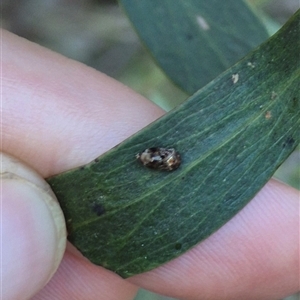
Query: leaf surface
point(232, 135)
point(194, 41)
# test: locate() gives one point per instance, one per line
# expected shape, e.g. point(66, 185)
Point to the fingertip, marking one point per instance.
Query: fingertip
point(33, 232)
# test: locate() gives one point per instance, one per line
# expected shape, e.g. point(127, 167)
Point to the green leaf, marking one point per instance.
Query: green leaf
point(232, 135)
point(194, 41)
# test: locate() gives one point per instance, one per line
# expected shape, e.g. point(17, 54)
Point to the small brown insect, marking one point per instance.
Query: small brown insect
point(160, 158)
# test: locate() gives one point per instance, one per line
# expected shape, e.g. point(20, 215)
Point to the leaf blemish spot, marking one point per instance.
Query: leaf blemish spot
point(202, 23)
point(289, 142)
point(251, 65)
point(98, 209)
point(178, 246)
point(235, 78)
point(268, 115)
point(294, 105)
point(189, 36)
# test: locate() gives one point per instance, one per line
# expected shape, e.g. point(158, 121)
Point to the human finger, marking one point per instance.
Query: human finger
point(253, 256)
point(33, 230)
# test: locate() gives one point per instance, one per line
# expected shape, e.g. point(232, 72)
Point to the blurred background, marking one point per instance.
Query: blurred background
point(98, 33)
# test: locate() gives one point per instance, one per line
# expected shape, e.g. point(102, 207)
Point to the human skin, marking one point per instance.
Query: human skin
point(59, 114)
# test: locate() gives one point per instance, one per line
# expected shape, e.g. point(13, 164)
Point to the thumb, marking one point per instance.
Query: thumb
point(33, 233)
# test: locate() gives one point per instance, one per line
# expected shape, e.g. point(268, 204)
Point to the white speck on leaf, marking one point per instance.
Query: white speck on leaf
point(235, 78)
point(202, 23)
point(251, 65)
